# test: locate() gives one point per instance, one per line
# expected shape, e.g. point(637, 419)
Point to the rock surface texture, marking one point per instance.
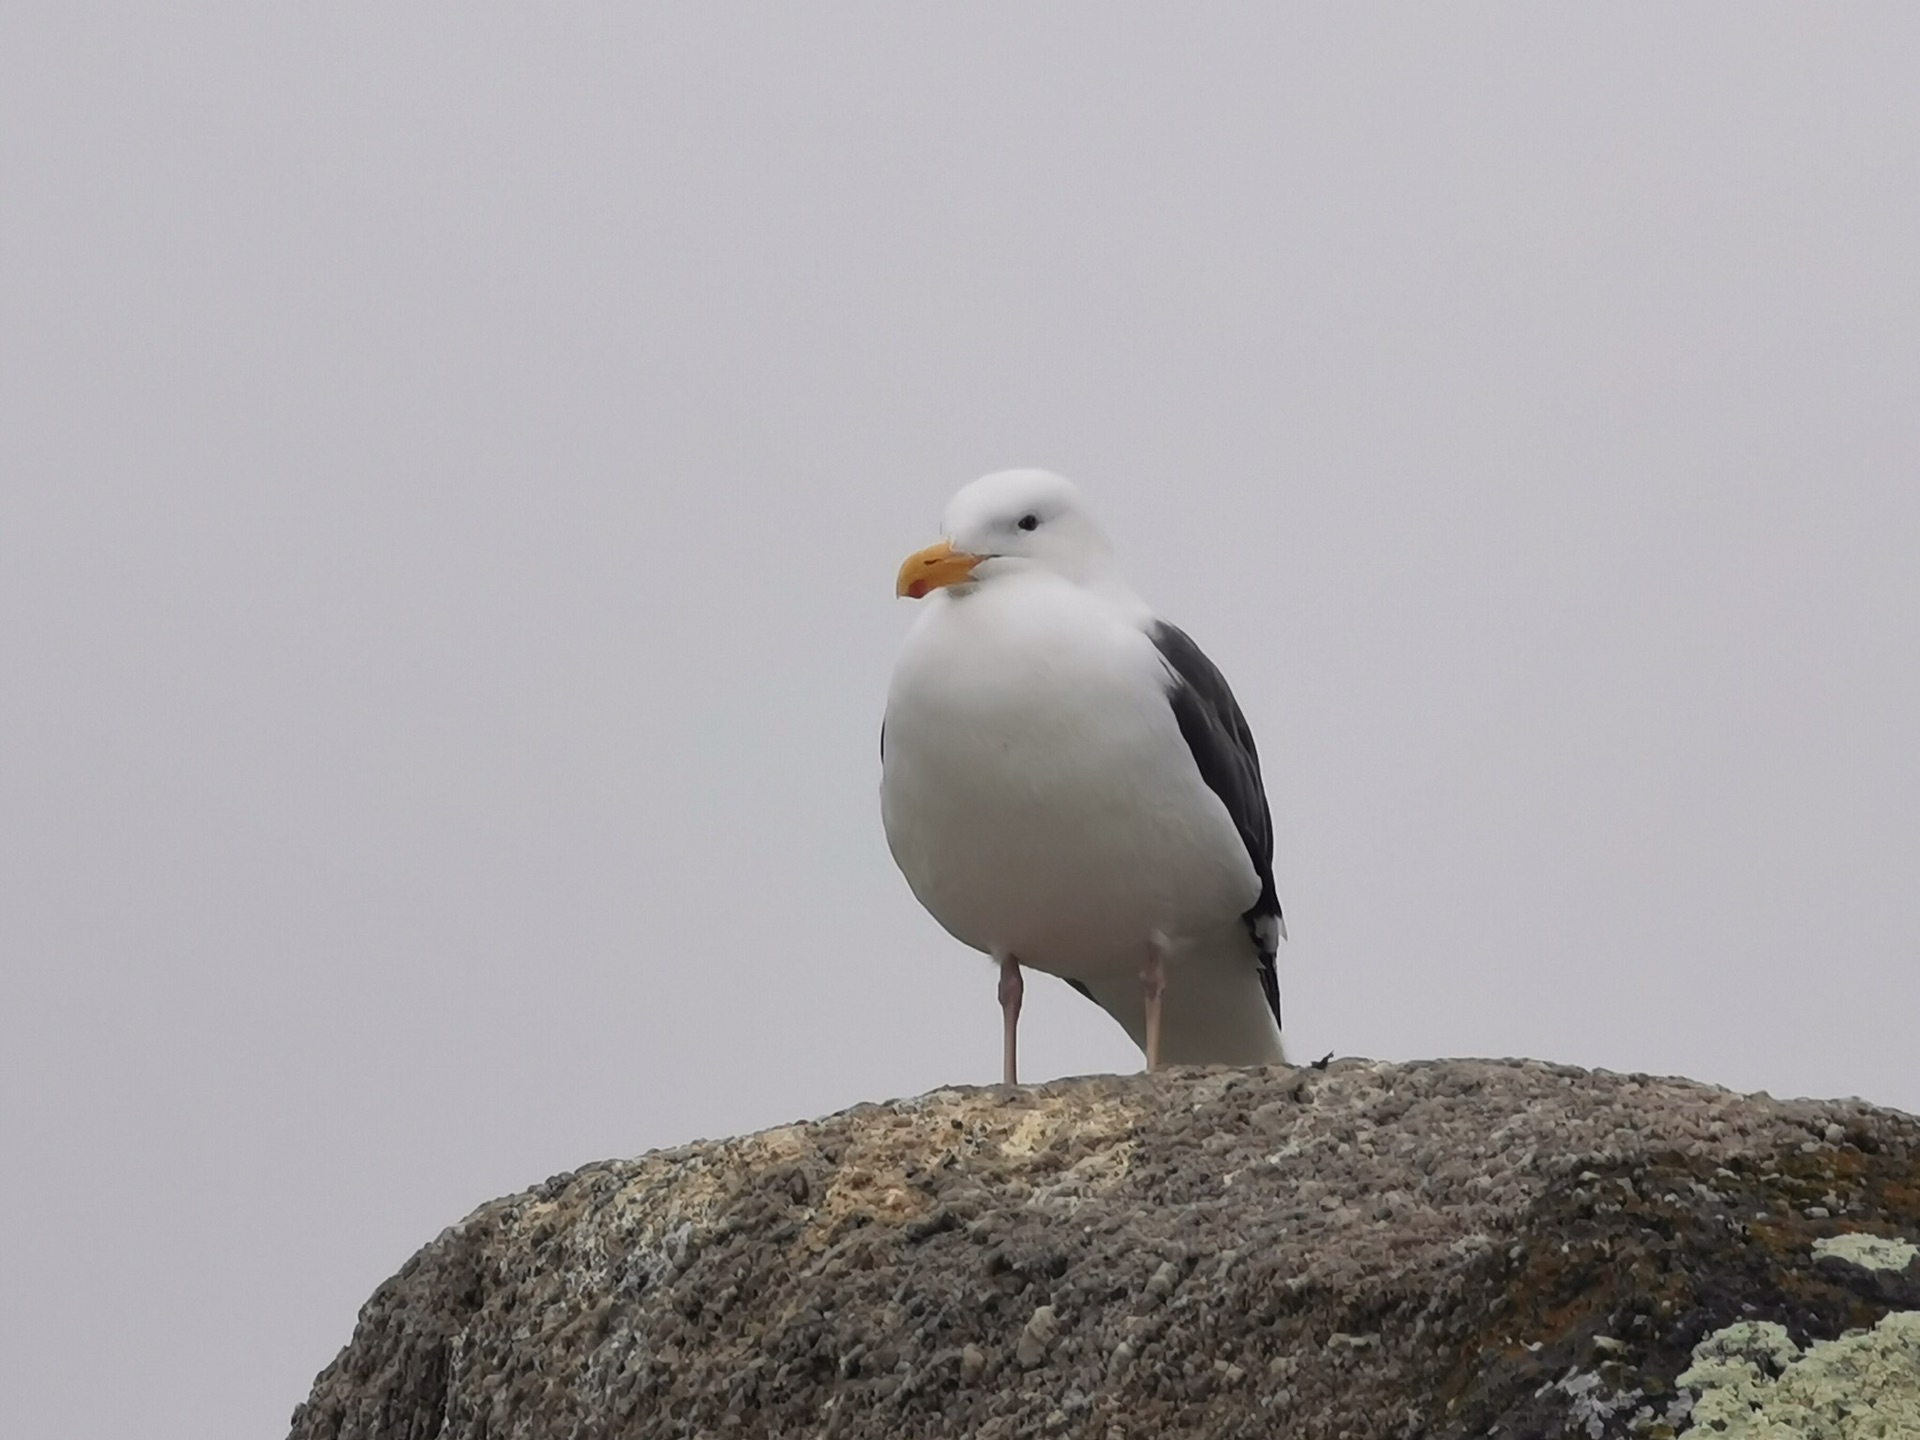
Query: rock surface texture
point(1456, 1248)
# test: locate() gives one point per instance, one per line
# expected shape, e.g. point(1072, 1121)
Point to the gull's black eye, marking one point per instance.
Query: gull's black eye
point(1029, 522)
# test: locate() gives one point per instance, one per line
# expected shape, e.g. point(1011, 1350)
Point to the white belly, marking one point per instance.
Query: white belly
point(1037, 793)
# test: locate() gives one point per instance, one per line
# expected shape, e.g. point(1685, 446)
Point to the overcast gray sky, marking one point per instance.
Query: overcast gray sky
point(455, 467)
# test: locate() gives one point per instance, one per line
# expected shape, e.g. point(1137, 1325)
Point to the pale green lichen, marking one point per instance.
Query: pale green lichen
point(1869, 1252)
point(1754, 1383)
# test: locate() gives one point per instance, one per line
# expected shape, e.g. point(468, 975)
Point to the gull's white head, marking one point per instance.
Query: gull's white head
point(1009, 523)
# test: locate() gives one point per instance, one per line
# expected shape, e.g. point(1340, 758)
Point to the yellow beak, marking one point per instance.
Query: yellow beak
point(934, 568)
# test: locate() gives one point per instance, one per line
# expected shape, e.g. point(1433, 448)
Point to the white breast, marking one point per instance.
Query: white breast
point(1036, 790)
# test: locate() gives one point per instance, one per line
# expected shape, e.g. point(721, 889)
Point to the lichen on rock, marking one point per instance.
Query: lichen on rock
point(1869, 1252)
point(1754, 1383)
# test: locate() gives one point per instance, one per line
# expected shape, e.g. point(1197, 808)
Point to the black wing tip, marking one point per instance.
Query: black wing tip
point(1269, 969)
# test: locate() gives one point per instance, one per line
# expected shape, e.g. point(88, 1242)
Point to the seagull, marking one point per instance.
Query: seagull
point(1069, 786)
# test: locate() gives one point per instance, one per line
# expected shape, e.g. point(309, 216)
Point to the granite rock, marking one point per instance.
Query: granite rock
point(1453, 1248)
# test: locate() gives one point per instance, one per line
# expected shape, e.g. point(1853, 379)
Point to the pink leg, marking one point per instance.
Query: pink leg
point(1012, 987)
point(1153, 982)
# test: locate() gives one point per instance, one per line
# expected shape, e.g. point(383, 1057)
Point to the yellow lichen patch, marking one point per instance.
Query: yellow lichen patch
point(882, 1192)
point(1040, 1129)
point(883, 1167)
point(1869, 1252)
point(872, 1177)
point(673, 1198)
point(781, 1146)
point(536, 1211)
point(1863, 1386)
point(1033, 1134)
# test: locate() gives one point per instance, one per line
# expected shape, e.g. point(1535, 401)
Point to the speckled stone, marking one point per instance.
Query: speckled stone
point(1455, 1248)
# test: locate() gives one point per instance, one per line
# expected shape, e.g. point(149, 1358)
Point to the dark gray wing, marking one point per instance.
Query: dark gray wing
point(1222, 745)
